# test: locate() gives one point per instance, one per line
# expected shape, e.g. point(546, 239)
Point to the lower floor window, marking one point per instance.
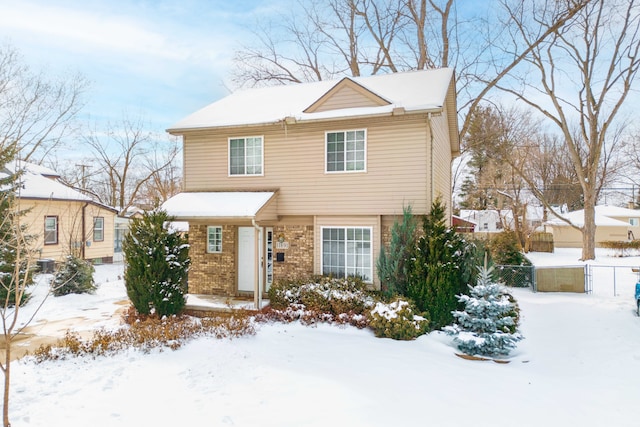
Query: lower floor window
point(346, 251)
point(214, 239)
point(50, 230)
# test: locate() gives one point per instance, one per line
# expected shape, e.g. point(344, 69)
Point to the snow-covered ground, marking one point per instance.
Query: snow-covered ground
point(579, 365)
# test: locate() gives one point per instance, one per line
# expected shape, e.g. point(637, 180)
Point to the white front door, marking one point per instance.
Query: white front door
point(246, 259)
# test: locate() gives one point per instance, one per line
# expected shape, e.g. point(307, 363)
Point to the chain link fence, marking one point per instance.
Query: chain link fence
point(515, 276)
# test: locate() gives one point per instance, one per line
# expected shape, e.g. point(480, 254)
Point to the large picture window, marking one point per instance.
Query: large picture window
point(346, 151)
point(346, 251)
point(98, 229)
point(245, 156)
point(50, 230)
point(214, 239)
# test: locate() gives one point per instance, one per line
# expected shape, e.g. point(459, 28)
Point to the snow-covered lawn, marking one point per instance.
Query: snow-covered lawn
point(579, 365)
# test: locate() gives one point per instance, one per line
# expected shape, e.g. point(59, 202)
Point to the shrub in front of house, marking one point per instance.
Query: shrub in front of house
point(74, 277)
point(157, 262)
point(398, 320)
point(320, 299)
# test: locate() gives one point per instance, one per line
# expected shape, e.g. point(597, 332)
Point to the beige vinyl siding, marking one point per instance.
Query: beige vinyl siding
point(69, 214)
point(294, 164)
point(442, 160)
point(346, 97)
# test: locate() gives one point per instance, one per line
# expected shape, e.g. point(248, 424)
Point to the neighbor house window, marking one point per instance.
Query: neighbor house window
point(98, 229)
point(346, 251)
point(346, 151)
point(634, 222)
point(214, 239)
point(50, 230)
point(245, 156)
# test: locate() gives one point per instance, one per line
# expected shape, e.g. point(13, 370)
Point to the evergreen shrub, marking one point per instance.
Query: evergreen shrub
point(392, 264)
point(157, 262)
point(506, 252)
point(397, 320)
point(440, 268)
point(74, 277)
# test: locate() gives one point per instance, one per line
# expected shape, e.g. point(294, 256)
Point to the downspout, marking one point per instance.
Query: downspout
point(257, 290)
point(430, 161)
point(84, 235)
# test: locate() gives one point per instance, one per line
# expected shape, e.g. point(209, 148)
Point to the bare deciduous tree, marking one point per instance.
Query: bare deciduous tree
point(586, 71)
point(317, 40)
point(36, 110)
point(128, 158)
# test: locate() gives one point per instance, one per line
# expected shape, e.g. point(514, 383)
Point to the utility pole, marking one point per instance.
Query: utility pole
point(83, 179)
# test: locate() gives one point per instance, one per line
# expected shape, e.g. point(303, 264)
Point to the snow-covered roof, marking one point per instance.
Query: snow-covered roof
point(235, 204)
point(37, 186)
point(616, 211)
point(577, 218)
point(413, 91)
point(39, 182)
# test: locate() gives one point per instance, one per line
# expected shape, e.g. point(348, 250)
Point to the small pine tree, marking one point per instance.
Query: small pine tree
point(13, 236)
point(506, 251)
point(440, 268)
point(488, 325)
point(157, 262)
point(392, 266)
point(74, 277)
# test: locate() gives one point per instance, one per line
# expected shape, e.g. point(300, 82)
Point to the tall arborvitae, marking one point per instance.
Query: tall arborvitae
point(13, 237)
point(488, 325)
point(392, 264)
point(157, 261)
point(440, 268)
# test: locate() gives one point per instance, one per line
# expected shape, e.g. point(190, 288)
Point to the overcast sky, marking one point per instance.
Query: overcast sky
point(158, 59)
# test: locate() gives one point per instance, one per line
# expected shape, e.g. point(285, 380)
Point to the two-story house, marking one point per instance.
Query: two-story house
point(288, 181)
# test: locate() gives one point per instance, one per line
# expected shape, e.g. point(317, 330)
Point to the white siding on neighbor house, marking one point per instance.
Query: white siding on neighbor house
point(294, 163)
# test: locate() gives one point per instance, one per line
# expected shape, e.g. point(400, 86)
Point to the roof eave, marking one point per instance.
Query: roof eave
point(182, 131)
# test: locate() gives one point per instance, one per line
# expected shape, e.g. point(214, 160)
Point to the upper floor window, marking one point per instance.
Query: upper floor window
point(50, 230)
point(346, 151)
point(245, 156)
point(98, 229)
point(214, 239)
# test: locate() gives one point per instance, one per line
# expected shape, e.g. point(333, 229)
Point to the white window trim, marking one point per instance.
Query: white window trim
point(345, 227)
point(326, 153)
point(95, 220)
point(634, 222)
point(208, 245)
point(229, 174)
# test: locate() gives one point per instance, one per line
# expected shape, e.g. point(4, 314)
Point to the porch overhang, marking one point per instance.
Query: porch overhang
point(223, 206)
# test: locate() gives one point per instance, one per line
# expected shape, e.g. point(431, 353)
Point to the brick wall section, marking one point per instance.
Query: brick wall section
point(212, 274)
point(298, 258)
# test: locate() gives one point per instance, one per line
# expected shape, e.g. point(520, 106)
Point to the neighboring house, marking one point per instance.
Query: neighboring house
point(612, 223)
point(62, 219)
point(121, 228)
point(492, 220)
point(462, 225)
point(289, 181)
point(486, 220)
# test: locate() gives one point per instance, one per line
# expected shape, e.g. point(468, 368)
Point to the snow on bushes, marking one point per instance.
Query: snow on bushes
point(397, 320)
point(321, 299)
point(488, 326)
